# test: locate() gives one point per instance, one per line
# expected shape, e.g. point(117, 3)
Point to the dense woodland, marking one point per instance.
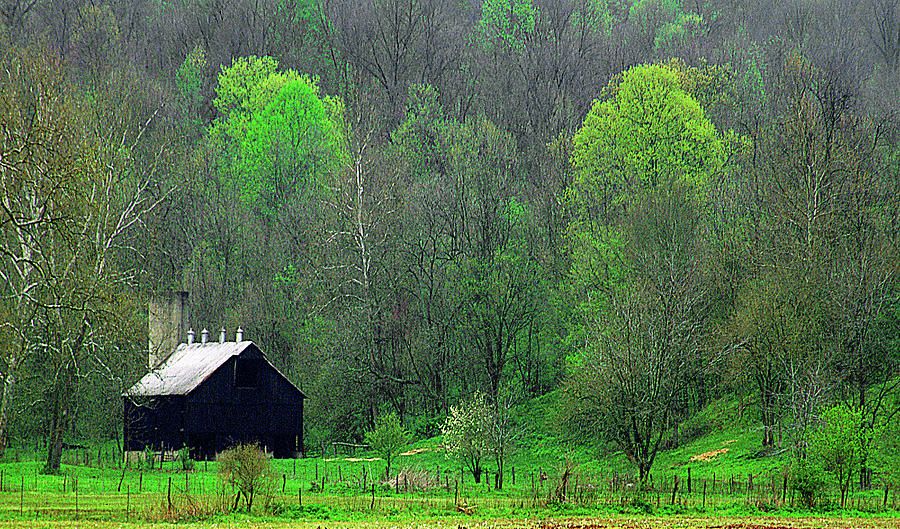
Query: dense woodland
point(645, 205)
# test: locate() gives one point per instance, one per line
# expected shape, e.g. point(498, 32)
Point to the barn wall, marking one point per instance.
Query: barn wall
point(217, 414)
point(158, 423)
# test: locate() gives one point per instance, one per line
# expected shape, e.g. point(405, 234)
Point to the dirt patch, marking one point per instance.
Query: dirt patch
point(728, 442)
point(353, 459)
point(416, 451)
point(709, 456)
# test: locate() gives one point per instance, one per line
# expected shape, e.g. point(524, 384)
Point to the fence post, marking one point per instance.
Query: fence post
point(704, 494)
point(674, 489)
point(127, 502)
point(689, 480)
point(22, 498)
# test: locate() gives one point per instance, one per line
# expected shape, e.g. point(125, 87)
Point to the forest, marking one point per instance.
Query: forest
point(644, 206)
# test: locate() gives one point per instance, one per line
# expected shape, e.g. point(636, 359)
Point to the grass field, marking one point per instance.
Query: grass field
point(88, 494)
point(724, 480)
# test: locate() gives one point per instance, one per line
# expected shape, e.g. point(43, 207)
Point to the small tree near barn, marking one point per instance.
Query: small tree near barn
point(468, 433)
point(247, 468)
point(387, 438)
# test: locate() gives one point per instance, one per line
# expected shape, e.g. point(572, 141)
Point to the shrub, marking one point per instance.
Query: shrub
point(387, 438)
point(149, 458)
point(184, 455)
point(246, 467)
point(809, 480)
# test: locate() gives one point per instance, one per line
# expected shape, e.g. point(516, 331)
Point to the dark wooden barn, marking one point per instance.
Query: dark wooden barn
point(211, 396)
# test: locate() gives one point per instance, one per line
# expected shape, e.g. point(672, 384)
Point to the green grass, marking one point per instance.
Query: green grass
point(88, 492)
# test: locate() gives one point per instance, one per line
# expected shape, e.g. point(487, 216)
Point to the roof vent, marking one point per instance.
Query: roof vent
point(204, 336)
point(190, 336)
point(239, 335)
point(222, 335)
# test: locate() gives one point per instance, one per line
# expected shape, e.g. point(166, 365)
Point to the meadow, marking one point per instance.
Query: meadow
point(335, 490)
point(718, 478)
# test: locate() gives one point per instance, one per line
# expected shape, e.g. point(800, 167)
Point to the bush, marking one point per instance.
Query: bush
point(149, 458)
point(387, 438)
point(247, 468)
point(184, 455)
point(810, 481)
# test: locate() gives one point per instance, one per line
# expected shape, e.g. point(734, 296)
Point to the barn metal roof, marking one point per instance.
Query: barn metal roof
point(187, 368)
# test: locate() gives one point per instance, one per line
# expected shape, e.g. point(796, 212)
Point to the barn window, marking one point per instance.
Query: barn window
point(247, 373)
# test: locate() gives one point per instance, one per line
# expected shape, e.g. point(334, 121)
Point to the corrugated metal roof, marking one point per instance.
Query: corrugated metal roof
point(186, 368)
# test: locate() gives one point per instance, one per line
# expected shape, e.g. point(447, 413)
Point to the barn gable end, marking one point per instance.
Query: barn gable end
point(210, 396)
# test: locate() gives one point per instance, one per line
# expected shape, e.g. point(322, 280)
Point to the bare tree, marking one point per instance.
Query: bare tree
point(71, 194)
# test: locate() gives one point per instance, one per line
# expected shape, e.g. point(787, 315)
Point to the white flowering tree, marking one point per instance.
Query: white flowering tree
point(468, 433)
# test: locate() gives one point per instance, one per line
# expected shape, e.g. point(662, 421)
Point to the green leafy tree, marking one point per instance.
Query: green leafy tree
point(644, 160)
point(280, 139)
point(842, 443)
point(189, 78)
point(387, 438)
point(289, 149)
point(468, 433)
point(505, 24)
point(650, 133)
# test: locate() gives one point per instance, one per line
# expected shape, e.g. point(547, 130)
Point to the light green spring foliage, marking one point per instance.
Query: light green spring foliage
point(239, 92)
point(388, 437)
point(685, 26)
point(189, 76)
point(505, 24)
point(843, 442)
point(281, 137)
point(289, 147)
point(649, 134)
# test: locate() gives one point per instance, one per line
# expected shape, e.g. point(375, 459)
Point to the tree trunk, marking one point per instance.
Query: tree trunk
point(643, 472)
point(5, 401)
point(55, 438)
point(59, 420)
